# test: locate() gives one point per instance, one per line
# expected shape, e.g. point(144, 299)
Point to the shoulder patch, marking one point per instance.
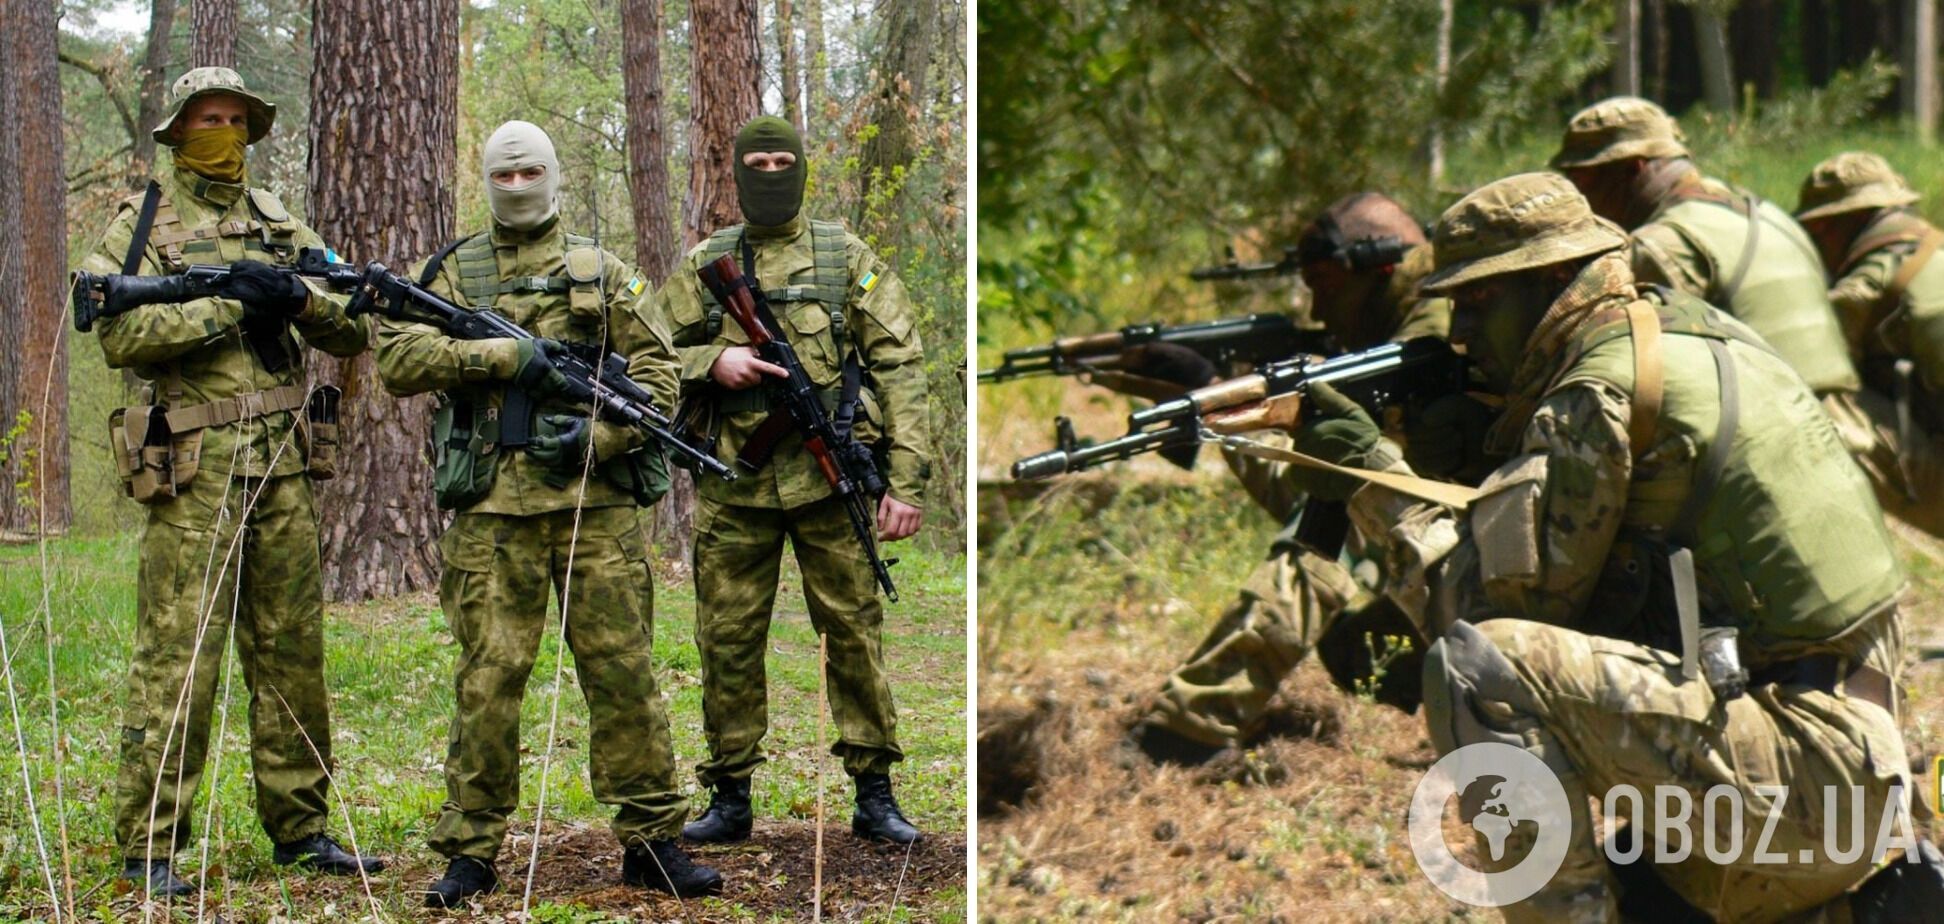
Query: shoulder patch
point(583, 264)
point(868, 282)
point(268, 205)
point(636, 286)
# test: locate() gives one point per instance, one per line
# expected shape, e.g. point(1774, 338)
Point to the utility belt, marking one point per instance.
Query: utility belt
point(158, 449)
point(466, 449)
point(1831, 674)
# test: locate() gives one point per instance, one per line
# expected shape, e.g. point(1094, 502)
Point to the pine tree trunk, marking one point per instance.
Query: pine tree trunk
point(723, 94)
point(817, 69)
point(1920, 67)
point(1626, 47)
point(155, 74)
point(904, 62)
point(1711, 47)
point(786, 42)
point(384, 101)
point(215, 33)
point(33, 259)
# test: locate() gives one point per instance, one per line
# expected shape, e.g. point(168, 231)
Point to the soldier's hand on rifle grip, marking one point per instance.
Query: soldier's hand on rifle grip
point(538, 373)
point(896, 519)
point(739, 368)
point(265, 289)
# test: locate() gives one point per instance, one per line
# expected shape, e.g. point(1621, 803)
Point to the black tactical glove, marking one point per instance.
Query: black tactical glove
point(266, 290)
point(539, 374)
point(1446, 438)
point(563, 451)
point(1338, 431)
point(1171, 363)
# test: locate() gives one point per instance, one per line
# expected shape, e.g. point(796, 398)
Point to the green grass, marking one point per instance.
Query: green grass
point(389, 667)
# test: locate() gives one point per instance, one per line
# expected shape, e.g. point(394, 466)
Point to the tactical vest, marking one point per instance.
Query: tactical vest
point(829, 279)
point(1789, 545)
point(1767, 274)
point(270, 236)
point(1910, 322)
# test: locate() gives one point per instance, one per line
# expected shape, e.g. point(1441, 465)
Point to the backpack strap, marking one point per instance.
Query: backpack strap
point(831, 274)
point(144, 222)
point(431, 270)
point(1734, 283)
point(1644, 328)
point(720, 244)
point(1912, 265)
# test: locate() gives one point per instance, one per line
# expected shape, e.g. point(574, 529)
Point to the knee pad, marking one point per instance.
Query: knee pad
point(1462, 670)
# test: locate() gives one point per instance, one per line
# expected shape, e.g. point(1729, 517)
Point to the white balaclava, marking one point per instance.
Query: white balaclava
point(514, 146)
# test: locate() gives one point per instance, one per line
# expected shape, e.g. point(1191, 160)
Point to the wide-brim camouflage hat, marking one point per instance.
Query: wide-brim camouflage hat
point(204, 81)
point(1851, 182)
point(1617, 129)
point(1518, 223)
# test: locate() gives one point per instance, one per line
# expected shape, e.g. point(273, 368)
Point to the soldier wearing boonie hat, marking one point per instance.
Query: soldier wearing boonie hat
point(1550, 604)
point(1888, 290)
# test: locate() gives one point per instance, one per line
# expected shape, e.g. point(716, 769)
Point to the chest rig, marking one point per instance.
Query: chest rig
point(829, 283)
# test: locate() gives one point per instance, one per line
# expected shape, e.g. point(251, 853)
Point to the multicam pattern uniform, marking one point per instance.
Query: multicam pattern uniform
point(241, 538)
point(507, 553)
point(740, 526)
point(1601, 710)
point(1217, 696)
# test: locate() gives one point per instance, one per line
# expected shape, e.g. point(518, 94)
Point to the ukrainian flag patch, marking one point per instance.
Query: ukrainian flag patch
point(635, 286)
point(869, 281)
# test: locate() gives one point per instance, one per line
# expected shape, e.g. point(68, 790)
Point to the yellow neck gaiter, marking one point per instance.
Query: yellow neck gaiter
point(216, 153)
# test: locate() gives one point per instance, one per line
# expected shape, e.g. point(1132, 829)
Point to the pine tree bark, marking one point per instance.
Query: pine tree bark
point(155, 74)
point(723, 94)
point(214, 44)
point(1711, 47)
point(1626, 47)
point(904, 62)
point(816, 69)
point(33, 259)
point(384, 105)
point(786, 42)
point(1920, 67)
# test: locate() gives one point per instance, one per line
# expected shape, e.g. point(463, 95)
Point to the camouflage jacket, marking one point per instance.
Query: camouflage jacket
point(879, 322)
point(1860, 294)
point(415, 358)
point(194, 352)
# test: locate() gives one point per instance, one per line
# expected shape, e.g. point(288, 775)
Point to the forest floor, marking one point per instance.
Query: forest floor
point(1092, 588)
point(389, 666)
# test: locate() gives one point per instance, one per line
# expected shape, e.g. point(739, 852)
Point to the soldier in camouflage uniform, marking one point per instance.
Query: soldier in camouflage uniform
point(1889, 295)
point(555, 518)
point(1727, 246)
point(834, 298)
point(1216, 698)
point(231, 542)
point(1645, 432)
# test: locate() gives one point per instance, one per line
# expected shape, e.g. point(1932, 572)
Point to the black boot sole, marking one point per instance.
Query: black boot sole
point(863, 830)
point(731, 837)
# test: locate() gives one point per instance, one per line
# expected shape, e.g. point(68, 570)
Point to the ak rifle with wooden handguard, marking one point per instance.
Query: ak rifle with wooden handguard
point(846, 464)
point(1254, 339)
point(1387, 376)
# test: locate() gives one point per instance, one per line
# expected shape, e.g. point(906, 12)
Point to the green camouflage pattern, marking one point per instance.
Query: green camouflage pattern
point(1518, 223)
point(738, 551)
point(196, 348)
point(500, 572)
point(201, 585)
point(1849, 182)
point(1605, 712)
point(203, 81)
point(879, 322)
point(1619, 128)
point(415, 358)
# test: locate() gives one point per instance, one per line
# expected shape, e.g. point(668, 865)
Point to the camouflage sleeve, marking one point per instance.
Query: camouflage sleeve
point(1532, 546)
point(679, 302)
point(1266, 480)
point(414, 358)
point(323, 323)
point(1859, 294)
point(1663, 257)
point(153, 333)
point(884, 325)
point(638, 332)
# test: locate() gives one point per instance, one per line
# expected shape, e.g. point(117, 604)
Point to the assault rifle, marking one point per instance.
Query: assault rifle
point(603, 379)
point(1253, 339)
point(1289, 265)
point(846, 464)
point(1395, 374)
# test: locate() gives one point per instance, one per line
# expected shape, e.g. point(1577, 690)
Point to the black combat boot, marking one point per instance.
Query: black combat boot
point(1902, 891)
point(1163, 745)
point(321, 852)
point(877, 817)
point(464, 878)
point(728, 818)
point(155, 879)
point(666, 867)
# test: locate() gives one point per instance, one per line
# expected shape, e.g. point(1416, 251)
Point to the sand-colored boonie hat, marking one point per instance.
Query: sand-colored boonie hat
point(1618, 129)
point(1851, 182)
point(1518, 223)
point(204, 81)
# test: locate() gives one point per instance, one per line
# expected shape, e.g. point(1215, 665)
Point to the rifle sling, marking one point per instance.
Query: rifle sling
point(1455, 496)
point(761, 445)
point(144, 222)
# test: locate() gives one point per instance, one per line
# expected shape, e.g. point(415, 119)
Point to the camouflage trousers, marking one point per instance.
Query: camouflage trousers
point(226, 558)
point(738, 551)
point(1219, 694)
point(1601, 712)
point(500, 572)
